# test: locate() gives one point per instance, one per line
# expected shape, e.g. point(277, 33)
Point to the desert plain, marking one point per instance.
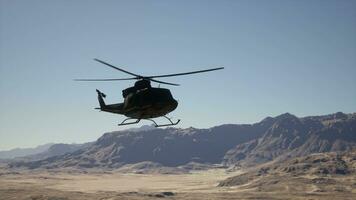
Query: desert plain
point(112, 185)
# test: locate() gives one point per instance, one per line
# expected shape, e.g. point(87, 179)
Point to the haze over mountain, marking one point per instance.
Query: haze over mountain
point(41, 151)
point(56, 150)
point(278, 138)
point(20, 152)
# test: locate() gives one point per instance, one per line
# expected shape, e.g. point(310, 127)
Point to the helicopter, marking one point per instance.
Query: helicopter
point(142, 101)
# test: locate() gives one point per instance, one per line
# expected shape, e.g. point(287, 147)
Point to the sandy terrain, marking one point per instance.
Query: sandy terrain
point(38, 185)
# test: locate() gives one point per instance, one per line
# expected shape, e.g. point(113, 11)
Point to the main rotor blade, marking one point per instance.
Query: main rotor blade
point(167, 83)
point(106, 79)
point(112, 66)
point(186, 73)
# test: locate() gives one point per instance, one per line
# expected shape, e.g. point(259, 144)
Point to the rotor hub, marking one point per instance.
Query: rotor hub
point(141, 84)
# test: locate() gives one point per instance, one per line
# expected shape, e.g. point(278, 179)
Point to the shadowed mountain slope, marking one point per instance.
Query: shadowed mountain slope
point(290, 136)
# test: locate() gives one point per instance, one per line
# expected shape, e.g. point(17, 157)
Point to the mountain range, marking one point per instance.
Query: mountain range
point(274, 138)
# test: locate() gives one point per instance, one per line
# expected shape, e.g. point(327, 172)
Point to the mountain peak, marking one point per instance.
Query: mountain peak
point(286, 115)
point(286, 119)
point(340, 115)
point(142, 128)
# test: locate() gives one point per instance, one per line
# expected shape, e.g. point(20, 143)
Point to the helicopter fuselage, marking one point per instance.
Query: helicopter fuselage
point(149, 103)
point(144, 104)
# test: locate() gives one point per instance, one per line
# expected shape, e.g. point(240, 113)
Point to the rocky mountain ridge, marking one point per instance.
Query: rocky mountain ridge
point(290, 137)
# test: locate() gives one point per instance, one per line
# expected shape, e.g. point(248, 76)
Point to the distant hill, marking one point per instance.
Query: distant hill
point(21, 152)
point(280, 137)
point(56, 150)
point(44, 152)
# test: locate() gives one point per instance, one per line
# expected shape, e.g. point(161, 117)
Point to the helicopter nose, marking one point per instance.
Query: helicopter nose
point(175, 104)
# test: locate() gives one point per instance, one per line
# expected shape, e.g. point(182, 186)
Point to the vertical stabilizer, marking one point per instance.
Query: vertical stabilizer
point(101, 97)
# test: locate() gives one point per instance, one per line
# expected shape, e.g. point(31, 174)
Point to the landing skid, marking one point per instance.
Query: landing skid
point(128, 123)
point(156, 125)
point(171, 124)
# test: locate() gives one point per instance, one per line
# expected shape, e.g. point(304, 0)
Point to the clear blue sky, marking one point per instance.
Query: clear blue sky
point(279, 56)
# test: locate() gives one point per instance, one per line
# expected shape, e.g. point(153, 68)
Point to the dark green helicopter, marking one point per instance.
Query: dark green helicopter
point(142, 101)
